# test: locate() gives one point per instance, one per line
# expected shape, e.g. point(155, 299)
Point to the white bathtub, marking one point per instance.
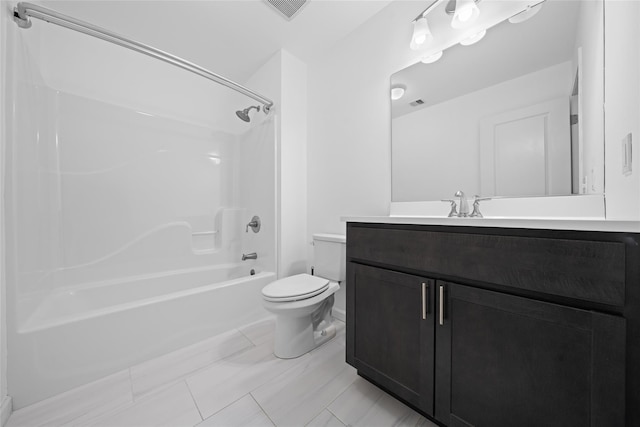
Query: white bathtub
point(81, 334)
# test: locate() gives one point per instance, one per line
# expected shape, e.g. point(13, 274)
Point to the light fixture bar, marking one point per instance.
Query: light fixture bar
point(527, 13)
point(428, 9)
point(451, 6)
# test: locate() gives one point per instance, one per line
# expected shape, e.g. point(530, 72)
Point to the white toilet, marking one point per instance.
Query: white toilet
point(302, 303)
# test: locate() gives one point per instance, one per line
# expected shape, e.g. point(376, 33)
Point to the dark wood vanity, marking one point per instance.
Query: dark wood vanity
point(483, 326)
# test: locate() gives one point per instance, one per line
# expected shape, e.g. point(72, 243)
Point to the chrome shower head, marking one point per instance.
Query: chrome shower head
point(244, 114)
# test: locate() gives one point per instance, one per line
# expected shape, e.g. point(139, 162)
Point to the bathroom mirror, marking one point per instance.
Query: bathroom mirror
point(520, 113)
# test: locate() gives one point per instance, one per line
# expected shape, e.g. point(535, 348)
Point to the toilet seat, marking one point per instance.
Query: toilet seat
point(295, 288)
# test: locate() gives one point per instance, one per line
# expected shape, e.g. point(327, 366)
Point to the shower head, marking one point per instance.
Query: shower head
point(244, 114)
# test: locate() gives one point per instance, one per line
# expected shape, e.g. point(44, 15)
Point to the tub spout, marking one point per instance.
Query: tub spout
point(252, 255)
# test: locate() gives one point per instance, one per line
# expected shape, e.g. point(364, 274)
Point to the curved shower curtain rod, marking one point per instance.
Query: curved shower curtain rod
point(23, 11)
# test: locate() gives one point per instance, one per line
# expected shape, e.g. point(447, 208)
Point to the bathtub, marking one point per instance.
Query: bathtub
point(81, 334)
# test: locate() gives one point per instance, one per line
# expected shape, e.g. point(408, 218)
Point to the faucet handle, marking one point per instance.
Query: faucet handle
point(476, 206)
point(454, 211)
point(254, 224)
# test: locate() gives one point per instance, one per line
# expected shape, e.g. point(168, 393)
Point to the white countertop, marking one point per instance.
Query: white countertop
point(581, 224)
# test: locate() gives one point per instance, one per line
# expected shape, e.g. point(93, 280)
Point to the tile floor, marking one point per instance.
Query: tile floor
point(230, 380)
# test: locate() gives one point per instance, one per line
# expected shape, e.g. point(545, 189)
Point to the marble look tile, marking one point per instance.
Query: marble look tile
point(177, 365)
point(260, 332)
point(296, 397)
point(325, 419)
point(86, 401)
point(171, 407)
point(227, 380)
point(242, 413)
point(356, 401)
point(365, 405)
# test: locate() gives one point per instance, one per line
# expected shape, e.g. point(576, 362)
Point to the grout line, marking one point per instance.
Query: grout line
point(316, 416)
point(335, 416)
point(261, 408)
point(192, 373)
point(250, 324)
point(311, 358)
point(242, 349)
point(373, 405)
point(341, 393)
point(245, 335)
point(194, 400)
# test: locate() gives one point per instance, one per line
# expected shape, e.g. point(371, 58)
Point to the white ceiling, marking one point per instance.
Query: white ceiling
point(231, 38)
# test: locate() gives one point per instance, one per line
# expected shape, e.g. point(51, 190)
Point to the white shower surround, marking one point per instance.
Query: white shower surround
point(127, 203)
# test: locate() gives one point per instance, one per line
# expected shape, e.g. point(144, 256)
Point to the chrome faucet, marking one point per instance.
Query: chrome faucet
point(464, 206)
point(252, 255)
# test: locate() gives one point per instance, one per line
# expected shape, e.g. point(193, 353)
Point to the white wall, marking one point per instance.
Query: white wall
point(260, 178)
point(622, 107)
point(5, 401)
point(590, 27)
point(293, 167)
point(349, 133)
point(349, 125)
point(349, 110)
point(283, 78)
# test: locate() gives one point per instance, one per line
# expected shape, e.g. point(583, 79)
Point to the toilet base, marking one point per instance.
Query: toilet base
point(303, 325)
point(296, 336)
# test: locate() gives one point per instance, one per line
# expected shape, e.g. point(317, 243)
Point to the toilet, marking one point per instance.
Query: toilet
point(302, 303)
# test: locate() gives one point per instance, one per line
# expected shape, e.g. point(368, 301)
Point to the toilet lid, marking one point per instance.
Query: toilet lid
point(293, 288)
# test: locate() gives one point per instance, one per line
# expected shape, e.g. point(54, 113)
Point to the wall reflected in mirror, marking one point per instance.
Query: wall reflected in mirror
point(520, 113)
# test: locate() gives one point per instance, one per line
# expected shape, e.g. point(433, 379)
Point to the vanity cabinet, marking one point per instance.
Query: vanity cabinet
point(494, 327)
point(504, 360)
point(396, 347)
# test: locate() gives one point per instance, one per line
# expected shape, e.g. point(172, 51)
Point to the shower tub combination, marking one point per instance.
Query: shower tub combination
point(77, 336)
point(128, 224)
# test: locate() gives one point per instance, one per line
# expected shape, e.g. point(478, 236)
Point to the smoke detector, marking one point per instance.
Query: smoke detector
point(288, 8)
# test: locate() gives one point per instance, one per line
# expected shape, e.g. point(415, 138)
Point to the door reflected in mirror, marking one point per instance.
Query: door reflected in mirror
point(520, 113)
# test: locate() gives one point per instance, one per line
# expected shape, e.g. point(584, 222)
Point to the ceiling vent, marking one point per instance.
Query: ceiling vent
point(288, 8)
point(416, 102)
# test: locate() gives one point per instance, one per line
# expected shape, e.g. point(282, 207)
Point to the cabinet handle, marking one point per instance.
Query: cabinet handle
point(441, 305)
point(425, 287)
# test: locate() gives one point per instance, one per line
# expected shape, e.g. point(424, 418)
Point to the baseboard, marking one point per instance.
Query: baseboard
point(339, 314)
point(6, 407)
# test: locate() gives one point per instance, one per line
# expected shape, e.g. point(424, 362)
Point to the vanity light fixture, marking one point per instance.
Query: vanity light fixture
point(474, 38)
point(466, 12)
point(431, 58)
point(421, 33)
point(397, 92)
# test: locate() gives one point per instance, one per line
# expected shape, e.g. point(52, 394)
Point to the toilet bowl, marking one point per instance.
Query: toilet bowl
point(302, 306)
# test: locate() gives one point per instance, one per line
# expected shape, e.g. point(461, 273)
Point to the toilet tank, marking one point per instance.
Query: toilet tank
point(330, 254)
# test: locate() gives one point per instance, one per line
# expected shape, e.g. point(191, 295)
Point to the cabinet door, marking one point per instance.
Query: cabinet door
point(505, 361)
point(390, 327)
